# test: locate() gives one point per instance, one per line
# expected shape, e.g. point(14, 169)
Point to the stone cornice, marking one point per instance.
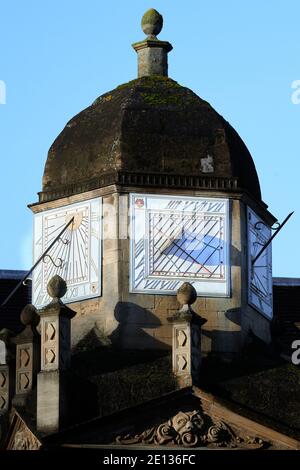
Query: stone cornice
point(159, 180)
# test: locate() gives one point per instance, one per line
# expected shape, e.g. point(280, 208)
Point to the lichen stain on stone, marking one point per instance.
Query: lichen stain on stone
point(102, 99)
point(159, 98)
point(107, 98)
point(149, 82)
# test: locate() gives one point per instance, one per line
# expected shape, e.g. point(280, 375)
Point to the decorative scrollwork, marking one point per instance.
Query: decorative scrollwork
point(220, 434)
point(192, 429)
point(164, 434)
point(58, 265)
point(65, 242)
point(276, 226)
point(258, 225)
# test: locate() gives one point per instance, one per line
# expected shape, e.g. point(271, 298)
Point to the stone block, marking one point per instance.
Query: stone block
point(111, 253)
point(123, 217)
point(163, 333)
point(165, 303)
point(50, 403)
point(140, 300)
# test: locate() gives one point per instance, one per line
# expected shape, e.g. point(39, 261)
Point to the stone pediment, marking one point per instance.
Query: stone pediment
point(20, 436)
point(193, 429)
point(188, 418)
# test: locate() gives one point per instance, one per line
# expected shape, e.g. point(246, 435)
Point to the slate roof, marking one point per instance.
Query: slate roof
point(260, 385)
point(286, 303)
point(10, 313)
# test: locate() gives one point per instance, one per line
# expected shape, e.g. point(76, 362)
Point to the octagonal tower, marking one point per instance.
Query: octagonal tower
point(156, 189)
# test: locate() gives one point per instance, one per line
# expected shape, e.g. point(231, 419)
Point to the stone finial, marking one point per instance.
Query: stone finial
point(29, 316)
point(6, 337)
point(56, 287)
point(152, 53)
point(186, 294)
point(27, 355)
point(52, 408)
point(152, 23)
point(186, 342)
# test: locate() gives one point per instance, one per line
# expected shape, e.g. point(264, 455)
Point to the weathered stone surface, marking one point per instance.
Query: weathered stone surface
point(5, 387)
point(152, 22)
point(163, 304)
point(56, 287)
point(193, 429)
point(23, 438)
point(186, 294)
point(49, 403)
point(151, 124)
point(152, 59)
point(29, 315)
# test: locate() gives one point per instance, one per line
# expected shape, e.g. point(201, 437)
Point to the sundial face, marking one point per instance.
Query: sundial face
point(260, 273)
point(176, 239)
point(75, 256)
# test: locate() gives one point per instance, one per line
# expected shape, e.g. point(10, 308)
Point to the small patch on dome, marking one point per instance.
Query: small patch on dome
point(207, 164)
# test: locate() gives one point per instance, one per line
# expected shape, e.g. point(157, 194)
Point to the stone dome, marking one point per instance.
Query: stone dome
point(151, 125)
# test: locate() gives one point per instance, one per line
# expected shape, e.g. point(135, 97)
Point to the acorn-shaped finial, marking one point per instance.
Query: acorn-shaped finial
point(152, 22)
point(57, 287)
point(186, 294)
point(29, 315)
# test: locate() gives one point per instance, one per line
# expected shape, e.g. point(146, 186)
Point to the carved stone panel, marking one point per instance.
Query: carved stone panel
point(23, 439)
point(192, 429)
point(50, 344)
point(3, 352)
point(24, 364)
point(181, 349)
point(4, 388)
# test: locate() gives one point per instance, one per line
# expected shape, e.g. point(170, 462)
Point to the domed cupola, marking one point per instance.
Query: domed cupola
point(149, 129)
point(148, 188)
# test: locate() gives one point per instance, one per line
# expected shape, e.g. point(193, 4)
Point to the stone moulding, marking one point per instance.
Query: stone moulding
point(144, 179)
point(193, 429)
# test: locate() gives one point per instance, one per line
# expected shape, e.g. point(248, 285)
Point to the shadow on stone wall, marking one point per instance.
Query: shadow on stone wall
point(234, 315)
point(133, 320)
point(224, 343)
point(235, 256)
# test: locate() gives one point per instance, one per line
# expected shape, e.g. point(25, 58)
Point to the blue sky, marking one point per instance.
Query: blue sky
point(58, 56)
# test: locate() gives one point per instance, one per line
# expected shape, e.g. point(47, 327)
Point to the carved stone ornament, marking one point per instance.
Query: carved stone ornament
point(24, 439)
point(192, 429)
